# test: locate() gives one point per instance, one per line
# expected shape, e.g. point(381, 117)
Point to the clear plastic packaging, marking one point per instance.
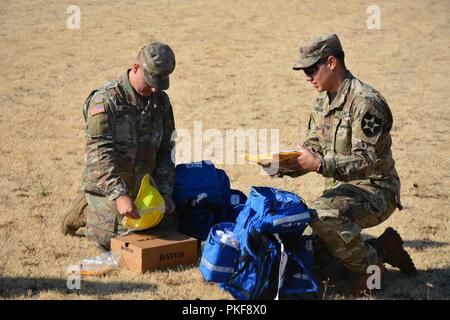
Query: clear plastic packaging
point(100, 265)
point(227, 237)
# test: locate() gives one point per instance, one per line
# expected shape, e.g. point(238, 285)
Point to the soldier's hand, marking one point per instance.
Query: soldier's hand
point(282, 168)
point(270, 168)
point(126, 207)
point(307, 161)
point(170, 205)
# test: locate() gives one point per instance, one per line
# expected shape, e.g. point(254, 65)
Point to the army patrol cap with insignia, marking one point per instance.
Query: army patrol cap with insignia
point(319, 48)
point(159, 62)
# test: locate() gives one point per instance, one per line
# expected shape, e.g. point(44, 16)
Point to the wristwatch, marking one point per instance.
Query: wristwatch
point(320, 167)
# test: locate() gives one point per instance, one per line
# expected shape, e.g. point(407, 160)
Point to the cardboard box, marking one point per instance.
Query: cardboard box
point(157, 248)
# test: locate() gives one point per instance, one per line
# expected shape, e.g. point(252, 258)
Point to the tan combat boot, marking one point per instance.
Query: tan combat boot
point(390, 247)
point(75, 216)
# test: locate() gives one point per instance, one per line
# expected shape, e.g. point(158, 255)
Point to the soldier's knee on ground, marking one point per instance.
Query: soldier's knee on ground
point(334, 223)
point(101, 237)
point(103, 221)
point(343, 240)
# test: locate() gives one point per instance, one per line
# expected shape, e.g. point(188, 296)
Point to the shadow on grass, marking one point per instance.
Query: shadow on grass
point(416, 244)
point(11, 287)
point(427, 284)
point(423, 244)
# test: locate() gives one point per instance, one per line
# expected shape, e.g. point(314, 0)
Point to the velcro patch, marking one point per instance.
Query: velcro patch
point(98, 108)
point(371, 125)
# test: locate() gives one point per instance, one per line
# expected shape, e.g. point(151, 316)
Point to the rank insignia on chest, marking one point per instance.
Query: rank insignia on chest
point(96, 109)
point(371, 125)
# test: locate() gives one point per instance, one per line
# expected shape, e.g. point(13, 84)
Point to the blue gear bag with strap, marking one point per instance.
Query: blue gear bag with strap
point(203, 197)
point(272, 251)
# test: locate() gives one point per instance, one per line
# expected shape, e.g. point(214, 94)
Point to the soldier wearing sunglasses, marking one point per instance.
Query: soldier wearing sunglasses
point(349, 143)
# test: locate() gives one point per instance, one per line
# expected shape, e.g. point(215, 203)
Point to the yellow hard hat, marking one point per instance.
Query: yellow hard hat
point(150, 205)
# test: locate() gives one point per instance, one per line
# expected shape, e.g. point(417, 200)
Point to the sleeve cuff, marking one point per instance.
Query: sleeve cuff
point(165, 191)
point(328, 167)
point(166, 194)
point(118, 191)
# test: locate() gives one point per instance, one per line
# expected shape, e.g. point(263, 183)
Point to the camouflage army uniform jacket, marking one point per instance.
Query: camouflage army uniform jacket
point(127, 136)
point(351, 136)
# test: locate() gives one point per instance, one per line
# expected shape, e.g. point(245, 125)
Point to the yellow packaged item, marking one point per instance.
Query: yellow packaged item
point(94, 270)
point(150, 205)
point(267, 159)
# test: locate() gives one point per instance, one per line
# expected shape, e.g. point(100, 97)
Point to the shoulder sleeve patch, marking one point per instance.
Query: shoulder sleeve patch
point(371, 125)
point(369, 122)
point(97, 108)
point(98, 122)
point(99, 125)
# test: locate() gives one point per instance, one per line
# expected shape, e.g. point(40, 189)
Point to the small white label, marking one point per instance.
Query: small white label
point(234, 199)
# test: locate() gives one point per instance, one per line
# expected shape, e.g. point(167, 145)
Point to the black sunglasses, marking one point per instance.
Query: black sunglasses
point(313, 69)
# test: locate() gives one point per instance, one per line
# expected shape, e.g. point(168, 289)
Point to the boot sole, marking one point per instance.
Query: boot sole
point(396, 256)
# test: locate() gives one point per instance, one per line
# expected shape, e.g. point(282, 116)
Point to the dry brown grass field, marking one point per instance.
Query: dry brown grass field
point(233, 71)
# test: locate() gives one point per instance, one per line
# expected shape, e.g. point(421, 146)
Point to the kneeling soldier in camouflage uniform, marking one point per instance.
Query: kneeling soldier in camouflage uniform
point(349, 143)
point(129, 126)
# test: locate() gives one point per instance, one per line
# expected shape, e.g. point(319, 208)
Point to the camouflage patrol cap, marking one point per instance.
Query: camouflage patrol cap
point(159, 62)
point(319, 48)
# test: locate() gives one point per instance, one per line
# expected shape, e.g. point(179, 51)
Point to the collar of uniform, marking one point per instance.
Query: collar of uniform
point(130, 94)
point(340, 97)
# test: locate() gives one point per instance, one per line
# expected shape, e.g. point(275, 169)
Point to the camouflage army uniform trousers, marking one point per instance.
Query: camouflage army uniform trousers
point(340, 215)
point(104, 221)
